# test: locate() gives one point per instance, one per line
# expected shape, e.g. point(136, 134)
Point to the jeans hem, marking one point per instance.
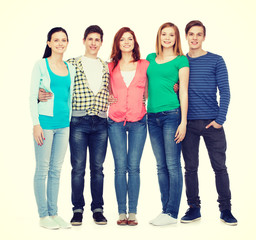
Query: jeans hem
point(78, 210)
point(97, 210)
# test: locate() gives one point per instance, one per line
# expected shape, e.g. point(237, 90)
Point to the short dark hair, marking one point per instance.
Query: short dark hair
point(193, 24)
point(93, 29)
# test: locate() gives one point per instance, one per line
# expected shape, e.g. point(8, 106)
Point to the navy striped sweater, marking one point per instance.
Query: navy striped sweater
point(207, 74)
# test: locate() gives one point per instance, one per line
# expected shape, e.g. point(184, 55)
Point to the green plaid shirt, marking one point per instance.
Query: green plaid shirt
point(83, 97)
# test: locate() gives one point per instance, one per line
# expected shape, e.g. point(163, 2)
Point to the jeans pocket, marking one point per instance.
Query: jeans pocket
point(143, 121)
point(110, 121)
point(75, 121)
point(103, 121)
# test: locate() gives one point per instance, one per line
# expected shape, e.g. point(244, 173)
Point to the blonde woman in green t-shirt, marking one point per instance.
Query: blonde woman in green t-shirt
point(167, 117)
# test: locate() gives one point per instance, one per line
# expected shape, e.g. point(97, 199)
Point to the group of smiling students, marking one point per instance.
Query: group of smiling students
point(85, 101)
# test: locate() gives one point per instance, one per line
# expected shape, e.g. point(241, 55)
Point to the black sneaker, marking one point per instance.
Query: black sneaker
point(77, 219)
point(193, 214)
point(99, 218)
point(227, 217)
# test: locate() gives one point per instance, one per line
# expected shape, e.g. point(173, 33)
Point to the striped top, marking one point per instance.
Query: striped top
point(208, 73)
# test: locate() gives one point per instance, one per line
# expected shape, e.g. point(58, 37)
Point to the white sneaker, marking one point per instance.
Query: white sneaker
point(48, 223)
point(60, 222)
point(155, 219)
point(164, 219)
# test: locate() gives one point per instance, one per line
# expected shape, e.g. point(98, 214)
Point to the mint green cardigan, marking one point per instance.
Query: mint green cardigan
point(40, 79)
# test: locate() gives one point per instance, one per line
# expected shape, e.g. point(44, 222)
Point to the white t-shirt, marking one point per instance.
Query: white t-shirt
point(128, 76)
point(93, 70)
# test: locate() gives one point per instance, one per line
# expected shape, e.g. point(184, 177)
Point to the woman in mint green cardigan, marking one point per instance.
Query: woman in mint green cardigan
point(51, 125)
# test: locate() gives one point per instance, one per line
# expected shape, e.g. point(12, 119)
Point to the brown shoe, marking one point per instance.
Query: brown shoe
point(122, 222)
point(132, 222)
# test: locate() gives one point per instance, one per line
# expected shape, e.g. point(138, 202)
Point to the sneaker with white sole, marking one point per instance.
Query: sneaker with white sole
point(192, 214)
point(155, 219)
point(227, 217)
point(163, 219)
point(47, 222)
point(77, 219)
point(61, 223)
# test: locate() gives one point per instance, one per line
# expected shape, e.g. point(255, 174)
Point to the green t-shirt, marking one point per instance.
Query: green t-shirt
point(161, 79)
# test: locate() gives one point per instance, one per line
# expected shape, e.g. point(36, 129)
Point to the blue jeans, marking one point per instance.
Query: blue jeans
point(127, 156)
point(49, 159)
point(88, 132)
point(162, 128)
point(215, 142)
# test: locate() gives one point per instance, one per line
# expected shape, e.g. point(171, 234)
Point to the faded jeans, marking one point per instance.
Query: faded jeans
point(49, 159)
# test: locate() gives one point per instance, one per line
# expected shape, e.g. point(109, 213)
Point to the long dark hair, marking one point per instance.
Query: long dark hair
point(48, 51)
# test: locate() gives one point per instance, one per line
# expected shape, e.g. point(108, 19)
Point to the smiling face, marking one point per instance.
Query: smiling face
point(58, 43)
point(195, 37)
point(92, 45)
point(126, 43)
point(168, 38)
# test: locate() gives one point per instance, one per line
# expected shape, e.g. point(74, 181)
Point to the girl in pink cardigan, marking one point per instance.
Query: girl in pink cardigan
point(127, 127)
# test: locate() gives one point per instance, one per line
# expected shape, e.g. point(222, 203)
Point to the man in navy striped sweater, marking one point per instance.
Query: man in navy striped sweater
point(208, 73)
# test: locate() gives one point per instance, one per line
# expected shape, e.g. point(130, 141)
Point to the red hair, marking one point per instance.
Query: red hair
point(116, 53)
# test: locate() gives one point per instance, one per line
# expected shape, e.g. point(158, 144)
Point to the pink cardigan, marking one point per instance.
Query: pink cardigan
point(130, 106)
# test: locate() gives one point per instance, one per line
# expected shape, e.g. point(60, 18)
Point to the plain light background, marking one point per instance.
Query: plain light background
point(24, 25)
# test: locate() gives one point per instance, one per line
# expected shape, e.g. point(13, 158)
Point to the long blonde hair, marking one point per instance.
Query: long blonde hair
point(177, 46)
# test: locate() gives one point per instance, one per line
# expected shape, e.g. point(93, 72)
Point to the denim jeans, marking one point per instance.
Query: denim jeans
point(127, 143)
point(49, 159)
point(88, 132)
point(162, 128)
point(215, 142)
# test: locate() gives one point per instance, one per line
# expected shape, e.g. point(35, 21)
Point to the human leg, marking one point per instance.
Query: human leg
point(59, 147)
point(171, 121)
point(215, 141)
point(118, 143)
point(79, 131)
point(97, 151)
point(137, 132)
point(42, 154)
point(157, 143)
point(190, 150)
point(162, 129)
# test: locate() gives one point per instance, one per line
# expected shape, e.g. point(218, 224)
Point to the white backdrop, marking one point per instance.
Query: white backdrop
point(230, 32)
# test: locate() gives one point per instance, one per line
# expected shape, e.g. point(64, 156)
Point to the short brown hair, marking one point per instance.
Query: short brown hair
point(193, 24)
point(93, 29)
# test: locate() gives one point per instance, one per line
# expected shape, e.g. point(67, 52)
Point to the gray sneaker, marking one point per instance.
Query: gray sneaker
point(48, 223)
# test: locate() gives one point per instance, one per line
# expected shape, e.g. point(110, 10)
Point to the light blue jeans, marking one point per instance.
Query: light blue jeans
point(127, 143)
point(49, 159)
point(162, 128)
